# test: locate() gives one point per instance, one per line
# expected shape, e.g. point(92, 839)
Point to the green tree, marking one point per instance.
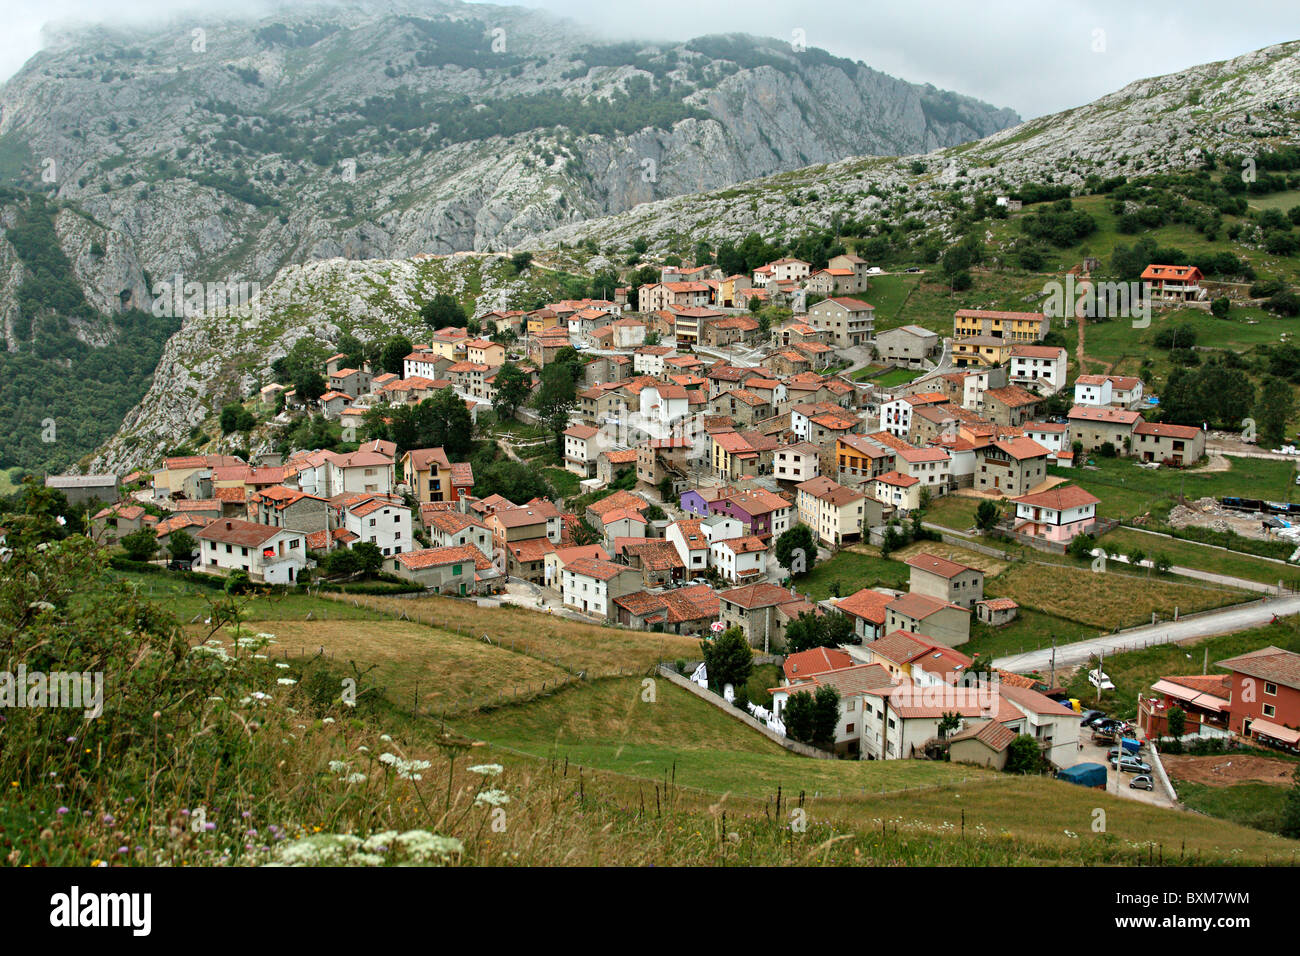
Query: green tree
point(369, 559)
point(1024, 755)
point(728, 659)
point(987, 516)
point(512, 387)
point(799, 717)
point(140, 545)
point(443, 311)
point(521, 261)
point(1291, 809)
point(951, 720)
point(826, 716)
point(557, 393)
point(395, 350)
point(181, 545)
point(796, 549)
point(1275, 408)
point(1080, 546)
point(1176, 722)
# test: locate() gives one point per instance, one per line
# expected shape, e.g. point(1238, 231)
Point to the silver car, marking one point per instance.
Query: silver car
point(1142, 781)
point(1130, 765)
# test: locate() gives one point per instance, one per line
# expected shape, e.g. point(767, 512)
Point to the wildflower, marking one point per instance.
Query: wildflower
point(355, 778)
point(493, 798)
point(61, 811)
point(286, 681)
point(108, 819)
point(338, 766)
point(488, 769)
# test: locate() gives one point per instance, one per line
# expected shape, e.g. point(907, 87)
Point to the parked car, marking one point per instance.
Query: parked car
point(1142, 781)
point(1090, 717)
point(1130, 765)
point(913, 269)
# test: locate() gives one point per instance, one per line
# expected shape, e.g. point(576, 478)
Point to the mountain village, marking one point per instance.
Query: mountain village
point(700, 438)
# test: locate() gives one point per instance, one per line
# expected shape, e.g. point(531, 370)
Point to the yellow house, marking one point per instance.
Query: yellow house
point(543, 319)
point(984, 350)
point(1012, 326)
point(448, 342)
point(485, 352)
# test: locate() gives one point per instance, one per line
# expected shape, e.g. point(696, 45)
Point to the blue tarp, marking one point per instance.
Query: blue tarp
point(1084, 774)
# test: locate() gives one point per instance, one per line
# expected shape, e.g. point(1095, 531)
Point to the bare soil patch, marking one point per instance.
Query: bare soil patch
point(1222, 770)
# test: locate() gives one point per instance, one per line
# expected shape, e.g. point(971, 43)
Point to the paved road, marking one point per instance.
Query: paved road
point(1204, 625)
point(1209, 577)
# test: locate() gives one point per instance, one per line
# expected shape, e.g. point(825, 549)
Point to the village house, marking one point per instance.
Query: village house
point(996, 612)
point(1039, 368)
point(1093, 427)
point(687, 610)
point(797, 462)
point(1008, 406)
point(946, 580)
point(453, 529)
point(1010, 466)
point(908, 346)
point(1013, 327)
point(1265, 695)
point(352, 382)
point(739, 559)
point(381, 520)
point(896, 414)
point(761, 512)
point(752, 608)
point(1174, 445)
point(850, 322)
point(866, 607)
point(591, 586)
point(282, 507)
point(834, 513)
point(110, 525)
point(267, 554)
point(83, 489)
point(556, 561)
point(943, 621)
point(852, 685)
point(1172, 284)
point(1057, 514)
point(581, 446)
point(460, 571)
point(901, 492)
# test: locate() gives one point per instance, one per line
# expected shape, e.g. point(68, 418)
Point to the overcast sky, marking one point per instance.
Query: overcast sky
point(1036, 56)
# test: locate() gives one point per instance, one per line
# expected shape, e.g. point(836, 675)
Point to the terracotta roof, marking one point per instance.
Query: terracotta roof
point(993, 314)
point(924, 561)
point(1021, 448)
point(1162, 430)
point(758, 595)
point(1094, 413)
point(1000, 604)
point(817, 660)
point(451, 522)
point(824, 489)
point(1059, 498)
point(247, 534)
point(1268, 663)
point(866, 604)
point(919, 606)
point(437, 557)
point(898, 479)
point(595, 568)
point(996, 736)
point(531, 549)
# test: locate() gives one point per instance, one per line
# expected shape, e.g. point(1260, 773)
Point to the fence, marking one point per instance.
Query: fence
point(753, 723)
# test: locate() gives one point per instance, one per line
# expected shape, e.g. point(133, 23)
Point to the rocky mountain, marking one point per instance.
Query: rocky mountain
point(1235, 108)
point(233, 147)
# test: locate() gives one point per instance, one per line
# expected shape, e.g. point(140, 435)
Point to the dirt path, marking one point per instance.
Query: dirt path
point(1221, 770)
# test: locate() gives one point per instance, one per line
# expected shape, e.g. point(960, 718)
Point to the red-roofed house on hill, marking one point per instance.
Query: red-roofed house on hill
point(461, 570)
point(1010, 466)
point(1174, 445)
point(1172, 283)
point(945, 622)
point(867, 610)
point(591, 586)
point(1265, 696)
point(946, 580)
point(1057, 514)
point(850, 322)
point(1204, 700)
point(267, 554)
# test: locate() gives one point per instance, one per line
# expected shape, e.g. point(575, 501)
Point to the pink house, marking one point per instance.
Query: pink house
point(1057, 514)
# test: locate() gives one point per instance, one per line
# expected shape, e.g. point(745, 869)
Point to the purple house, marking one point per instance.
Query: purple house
point(762, 512)
point(697, 501)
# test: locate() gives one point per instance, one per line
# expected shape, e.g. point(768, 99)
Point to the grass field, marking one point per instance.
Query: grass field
point(1126, 490)
point(1257, 805)
point(562, 480)
point(1028, 632)
point(853, 570)
point(953, 511)
point(889, 294)
point(413, 663)
point(1103, 601)
point(187, 600)
point(1189, 554)
point(570, 644)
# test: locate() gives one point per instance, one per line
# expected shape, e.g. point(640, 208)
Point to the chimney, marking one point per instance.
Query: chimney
point(229, 526)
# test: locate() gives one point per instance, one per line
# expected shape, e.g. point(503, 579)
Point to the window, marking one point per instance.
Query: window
point(1270, 710)
point(1270, 688)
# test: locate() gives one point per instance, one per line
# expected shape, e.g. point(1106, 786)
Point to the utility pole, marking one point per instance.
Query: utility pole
point(1053, 660)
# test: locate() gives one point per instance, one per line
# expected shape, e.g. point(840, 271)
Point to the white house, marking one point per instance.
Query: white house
point(741, 559)
point(649, 359)
point(268, 554)
point(1092, 390)
point(381, 520)
point(798, 462)
point(581, 447)
point(450, 529)
point(1057, 514)
point(360, 472)
point(421, 364)
point(590, 585)
point(692, 544)
point(1038, 367)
